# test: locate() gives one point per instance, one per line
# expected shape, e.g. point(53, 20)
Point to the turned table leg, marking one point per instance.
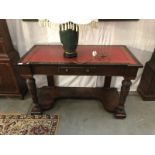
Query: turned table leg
point(107, 82)
point(33, 91)
point(120, 110)
point(50, 80)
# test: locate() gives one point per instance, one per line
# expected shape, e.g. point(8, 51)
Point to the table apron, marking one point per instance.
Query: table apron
point(79, 70)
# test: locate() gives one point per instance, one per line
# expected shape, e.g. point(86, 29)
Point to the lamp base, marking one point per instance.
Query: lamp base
point(70, 55)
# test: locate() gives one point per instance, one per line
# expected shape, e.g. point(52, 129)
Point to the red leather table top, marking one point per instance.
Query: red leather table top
point(114, 54)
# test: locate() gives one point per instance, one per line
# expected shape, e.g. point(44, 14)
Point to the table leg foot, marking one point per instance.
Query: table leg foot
point(120, 112)
point(120, 109)
point(46, 105)
point(36, 110)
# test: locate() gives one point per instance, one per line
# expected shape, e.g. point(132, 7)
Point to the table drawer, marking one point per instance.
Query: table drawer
point(77, 70)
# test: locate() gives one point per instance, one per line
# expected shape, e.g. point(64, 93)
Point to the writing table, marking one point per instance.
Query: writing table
point(111, 60)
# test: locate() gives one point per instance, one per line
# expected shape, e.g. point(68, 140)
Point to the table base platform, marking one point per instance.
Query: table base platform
point(48, 95)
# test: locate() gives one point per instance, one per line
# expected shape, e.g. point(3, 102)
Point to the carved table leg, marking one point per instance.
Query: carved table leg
point(107, 82)
point(50, 81)
point(46, 100)
point(33, 91)
point(120, 110)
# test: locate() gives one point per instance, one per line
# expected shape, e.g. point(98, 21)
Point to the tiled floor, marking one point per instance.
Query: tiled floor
point(87, 117)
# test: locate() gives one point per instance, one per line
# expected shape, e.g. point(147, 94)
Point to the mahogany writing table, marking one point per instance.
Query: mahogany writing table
point(111, 60)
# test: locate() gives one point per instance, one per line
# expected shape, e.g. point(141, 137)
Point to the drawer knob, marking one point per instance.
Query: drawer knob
point(66, 69)
point(87, 70)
